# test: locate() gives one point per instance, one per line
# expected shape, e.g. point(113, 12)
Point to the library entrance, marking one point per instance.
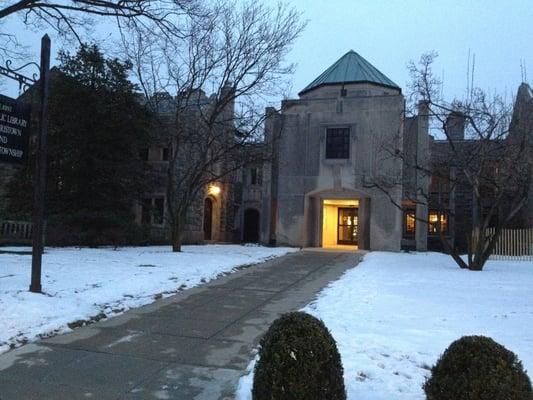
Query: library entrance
point(340, 223)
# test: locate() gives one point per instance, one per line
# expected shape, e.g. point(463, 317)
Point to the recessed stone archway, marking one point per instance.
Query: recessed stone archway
point(324, 221)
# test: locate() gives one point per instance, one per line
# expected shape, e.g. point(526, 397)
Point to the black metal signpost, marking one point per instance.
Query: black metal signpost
point(14, 136)
point(40, 169)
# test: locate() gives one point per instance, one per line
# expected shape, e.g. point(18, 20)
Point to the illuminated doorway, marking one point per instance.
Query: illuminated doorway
point(340, 223)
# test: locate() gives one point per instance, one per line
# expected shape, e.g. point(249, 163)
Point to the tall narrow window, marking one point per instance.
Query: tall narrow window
point(153, 211)
point(165, 154)
point(146, 210)
point(159, 210)
point(338, 143)
point(437, 219)
point(410, 222)
point(253, 176)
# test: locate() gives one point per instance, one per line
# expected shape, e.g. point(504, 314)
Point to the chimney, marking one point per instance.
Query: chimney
point(227, 96)
point(422, 179)
point(455, 126)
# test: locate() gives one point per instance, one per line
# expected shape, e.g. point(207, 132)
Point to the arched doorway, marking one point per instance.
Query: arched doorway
point(251, 226)
point(208, 219)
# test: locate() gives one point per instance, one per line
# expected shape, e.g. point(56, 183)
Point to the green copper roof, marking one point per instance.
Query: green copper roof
point(350, 68)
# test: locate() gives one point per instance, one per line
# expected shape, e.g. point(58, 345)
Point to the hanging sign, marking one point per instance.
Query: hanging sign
point(14, 130)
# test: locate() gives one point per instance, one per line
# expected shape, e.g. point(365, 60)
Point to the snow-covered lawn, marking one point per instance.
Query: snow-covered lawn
point(79, 284)
point(394, 314)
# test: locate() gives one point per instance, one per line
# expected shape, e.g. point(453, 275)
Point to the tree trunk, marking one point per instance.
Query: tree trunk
point(451, 250)
point(177, 233)
point(176, 244)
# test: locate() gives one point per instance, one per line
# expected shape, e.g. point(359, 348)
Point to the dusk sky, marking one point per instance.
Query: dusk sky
point(390, 33)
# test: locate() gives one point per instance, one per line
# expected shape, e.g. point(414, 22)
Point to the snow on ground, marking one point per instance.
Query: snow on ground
point(79, 284)
point(395, 313)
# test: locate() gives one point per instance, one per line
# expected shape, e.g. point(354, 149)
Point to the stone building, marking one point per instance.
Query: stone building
point(248, 188)
point(328, 161)
point(211, 215)
point(448, 202)
point(225, 210)
point(522, 126)
point(327, 144)
point(333, 181)
point(433, 198)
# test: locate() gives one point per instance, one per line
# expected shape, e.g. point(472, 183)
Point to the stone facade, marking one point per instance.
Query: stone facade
point(212, 214)
point(302, 179)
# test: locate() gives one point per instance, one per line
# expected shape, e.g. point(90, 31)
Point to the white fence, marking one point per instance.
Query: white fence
point(513, 244)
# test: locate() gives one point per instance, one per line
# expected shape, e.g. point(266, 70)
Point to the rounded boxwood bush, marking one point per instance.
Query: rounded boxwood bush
point(298, 360)
point(478, 368)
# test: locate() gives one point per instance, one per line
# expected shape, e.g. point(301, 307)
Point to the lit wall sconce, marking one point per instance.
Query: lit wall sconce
point(214, 190)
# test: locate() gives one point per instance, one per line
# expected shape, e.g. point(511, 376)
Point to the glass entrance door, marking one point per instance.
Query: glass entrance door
point(347, 226)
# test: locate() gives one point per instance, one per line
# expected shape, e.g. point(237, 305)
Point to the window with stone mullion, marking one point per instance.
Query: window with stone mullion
point(338, 143)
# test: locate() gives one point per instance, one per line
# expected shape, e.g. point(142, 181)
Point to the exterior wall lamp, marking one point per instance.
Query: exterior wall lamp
point(214, 190)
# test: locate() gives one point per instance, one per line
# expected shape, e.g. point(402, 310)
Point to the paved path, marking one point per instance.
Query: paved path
point(194, 345)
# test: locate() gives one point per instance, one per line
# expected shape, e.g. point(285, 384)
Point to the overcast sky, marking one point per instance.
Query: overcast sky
point(389, 33)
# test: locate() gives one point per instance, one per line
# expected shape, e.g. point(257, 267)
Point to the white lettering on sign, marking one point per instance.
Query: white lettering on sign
point(10, 130)
point(17, 121)
point(14, 125)
point(11, 152)
point(13, 120)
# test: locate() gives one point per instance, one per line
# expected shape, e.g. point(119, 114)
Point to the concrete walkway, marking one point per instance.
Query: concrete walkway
point(194, 345)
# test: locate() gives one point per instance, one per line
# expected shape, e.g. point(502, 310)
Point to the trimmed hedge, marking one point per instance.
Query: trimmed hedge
point(478, 368)
point(298, 360)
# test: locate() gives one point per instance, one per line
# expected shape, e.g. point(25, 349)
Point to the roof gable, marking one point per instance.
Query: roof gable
point(350, 68)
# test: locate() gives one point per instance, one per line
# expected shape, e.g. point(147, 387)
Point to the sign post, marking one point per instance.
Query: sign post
point(40, 168)
point(14, 144)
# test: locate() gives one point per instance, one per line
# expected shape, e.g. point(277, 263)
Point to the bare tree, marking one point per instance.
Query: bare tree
point(237, 53)
point(493, 161)
point(69, 18)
